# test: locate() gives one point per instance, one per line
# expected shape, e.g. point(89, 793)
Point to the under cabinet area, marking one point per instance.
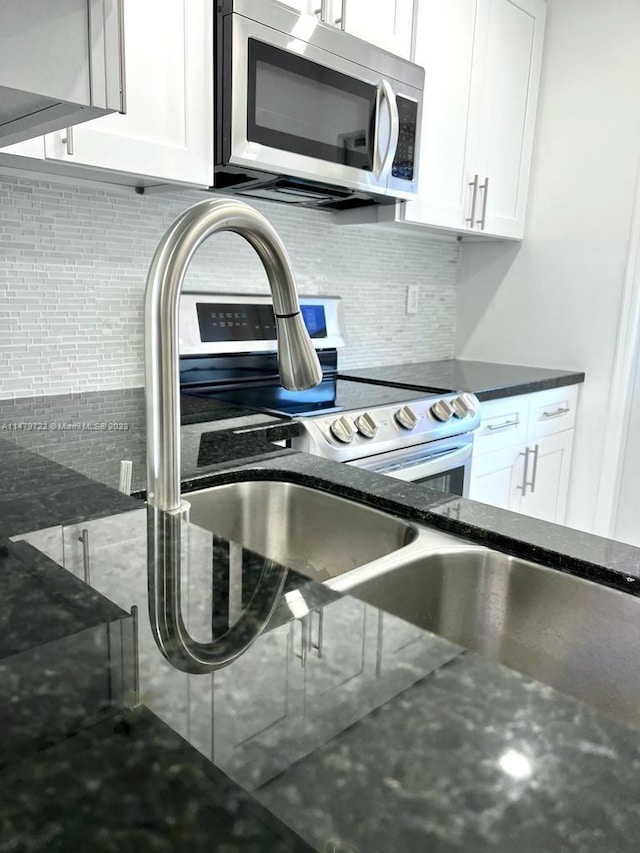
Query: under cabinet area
point(522, 453)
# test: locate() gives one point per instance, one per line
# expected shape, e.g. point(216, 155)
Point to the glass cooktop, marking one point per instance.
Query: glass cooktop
point(331, 395)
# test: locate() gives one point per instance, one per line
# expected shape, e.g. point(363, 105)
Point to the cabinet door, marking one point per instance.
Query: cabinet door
point(33, 148)
point(445, 35)
point(48, 541)
point(255, 710)
point(167, 132)
point(338, 656)
point(512, 37)
point(305, 7)
point(386, 23)
point(497, 478)
point(59, 65)
point(549, 474)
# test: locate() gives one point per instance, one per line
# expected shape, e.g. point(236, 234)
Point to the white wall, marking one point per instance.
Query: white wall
point(554, 300)
point(73, 264)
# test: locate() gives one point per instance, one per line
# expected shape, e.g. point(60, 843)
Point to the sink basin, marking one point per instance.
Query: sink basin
point(318, 534)
point(567, 632)
point(572, 634)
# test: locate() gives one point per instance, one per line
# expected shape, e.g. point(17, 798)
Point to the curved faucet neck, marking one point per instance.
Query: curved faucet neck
point(298, 362)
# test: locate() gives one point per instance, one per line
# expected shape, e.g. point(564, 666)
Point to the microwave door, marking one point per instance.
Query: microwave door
point(297, 109)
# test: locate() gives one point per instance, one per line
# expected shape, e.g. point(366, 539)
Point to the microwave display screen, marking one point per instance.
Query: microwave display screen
point(300, 106)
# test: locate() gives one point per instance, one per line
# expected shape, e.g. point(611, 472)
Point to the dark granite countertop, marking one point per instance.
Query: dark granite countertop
point(487, 380)
point(429, 748)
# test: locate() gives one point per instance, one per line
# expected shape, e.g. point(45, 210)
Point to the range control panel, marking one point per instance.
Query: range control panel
point(352, 435)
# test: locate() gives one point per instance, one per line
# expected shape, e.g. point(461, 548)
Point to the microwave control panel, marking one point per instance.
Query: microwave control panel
point(403, 163)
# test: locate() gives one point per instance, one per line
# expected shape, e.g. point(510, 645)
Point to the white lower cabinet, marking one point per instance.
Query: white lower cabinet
point(495, 478)
point(550, 461)
point(522, 453)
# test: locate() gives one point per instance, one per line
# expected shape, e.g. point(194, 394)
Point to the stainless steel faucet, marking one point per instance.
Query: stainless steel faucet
point(297, 359)
point(167, 515)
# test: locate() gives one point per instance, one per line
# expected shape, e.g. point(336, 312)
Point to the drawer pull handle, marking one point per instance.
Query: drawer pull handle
point(494, 427)
point(556, 413)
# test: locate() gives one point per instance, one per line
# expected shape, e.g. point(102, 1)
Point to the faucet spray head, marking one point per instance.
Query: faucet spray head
point(297, 360)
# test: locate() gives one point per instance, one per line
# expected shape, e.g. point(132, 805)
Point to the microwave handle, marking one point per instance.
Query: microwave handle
point(382, 165)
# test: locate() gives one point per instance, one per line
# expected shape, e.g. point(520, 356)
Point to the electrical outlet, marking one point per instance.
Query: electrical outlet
point(413, 292)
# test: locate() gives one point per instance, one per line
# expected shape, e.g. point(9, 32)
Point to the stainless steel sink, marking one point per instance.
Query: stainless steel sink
point(567, 632)
point(572, 634)
point(316, 533)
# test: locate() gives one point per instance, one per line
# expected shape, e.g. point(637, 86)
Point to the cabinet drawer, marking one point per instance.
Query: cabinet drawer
point(503, 424)
point(552, 411)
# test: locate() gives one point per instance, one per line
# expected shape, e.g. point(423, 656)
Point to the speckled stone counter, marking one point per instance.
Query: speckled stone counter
point(92, 432)
point(327, 734)
point(487, 380)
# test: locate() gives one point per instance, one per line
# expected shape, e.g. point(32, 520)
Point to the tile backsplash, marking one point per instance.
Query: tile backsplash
point(73, 264)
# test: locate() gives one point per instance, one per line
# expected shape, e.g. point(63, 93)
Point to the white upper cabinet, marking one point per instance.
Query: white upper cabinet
point(512, 32)
point(60, 64)
point(167, 132)
point(482, 60)
point(305, 7)
point(445, 33)
point(385, 23)
point(33, 148)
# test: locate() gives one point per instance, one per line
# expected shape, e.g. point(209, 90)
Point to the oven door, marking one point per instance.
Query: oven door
point(294, 106)
point(442, 465)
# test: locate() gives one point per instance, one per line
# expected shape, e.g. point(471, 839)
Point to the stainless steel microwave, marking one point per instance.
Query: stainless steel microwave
point(308, 114)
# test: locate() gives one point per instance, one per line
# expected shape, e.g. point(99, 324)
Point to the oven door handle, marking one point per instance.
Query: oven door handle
point(438, 464)
point(382, 165)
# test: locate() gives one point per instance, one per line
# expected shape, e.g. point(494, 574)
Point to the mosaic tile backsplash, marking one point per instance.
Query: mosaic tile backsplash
point(74, 259)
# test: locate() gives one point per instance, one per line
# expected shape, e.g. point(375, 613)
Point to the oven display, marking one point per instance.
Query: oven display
point(226, 321)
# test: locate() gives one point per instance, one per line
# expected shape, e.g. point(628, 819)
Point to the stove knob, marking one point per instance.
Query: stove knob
point(406, 417)
point(343, 429)
point(367, 425)
point(442, 410)
point(471, 403)
point(460, 407)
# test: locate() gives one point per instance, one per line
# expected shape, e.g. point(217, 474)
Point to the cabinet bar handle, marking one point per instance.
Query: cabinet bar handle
point(474, 198)
point(304, 641)
point(136, 657)
point(535, 469)
point(485, 195)
point(523, 487)
point(122, 66)
point(494, 427)
point(556, 413)
point(323, 11)
point(86, 561)
point(318, 646)
point(342, 20)
point(68, 141)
